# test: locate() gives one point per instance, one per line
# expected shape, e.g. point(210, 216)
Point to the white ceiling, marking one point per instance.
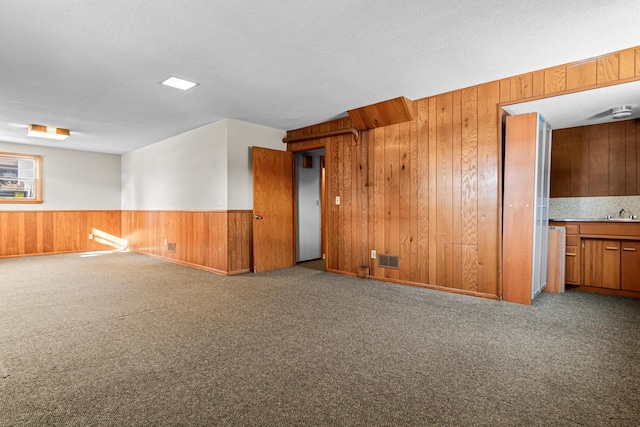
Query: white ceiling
point(95, 67)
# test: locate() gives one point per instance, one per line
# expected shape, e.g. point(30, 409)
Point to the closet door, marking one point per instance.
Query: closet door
point(526, 207)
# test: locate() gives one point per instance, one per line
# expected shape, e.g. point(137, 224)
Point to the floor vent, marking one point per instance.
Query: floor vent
point(171, 247)
point(389, 261)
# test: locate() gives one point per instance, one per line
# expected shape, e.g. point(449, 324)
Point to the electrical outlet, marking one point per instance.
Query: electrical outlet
point(165, 242)
point(373, 254)
point(90, 236)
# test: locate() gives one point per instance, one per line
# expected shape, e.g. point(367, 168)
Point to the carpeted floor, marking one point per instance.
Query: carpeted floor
point(124, 339)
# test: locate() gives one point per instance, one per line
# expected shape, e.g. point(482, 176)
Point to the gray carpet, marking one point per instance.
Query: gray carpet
point(125, 339)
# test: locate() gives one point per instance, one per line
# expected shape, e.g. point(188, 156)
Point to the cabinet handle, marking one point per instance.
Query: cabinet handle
point(569, 254)
point(611, 248)
point(629, 249)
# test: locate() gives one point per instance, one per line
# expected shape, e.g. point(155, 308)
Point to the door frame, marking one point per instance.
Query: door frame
point(323, 188)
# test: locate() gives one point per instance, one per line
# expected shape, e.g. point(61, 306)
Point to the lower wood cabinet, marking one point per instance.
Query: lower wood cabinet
point(630, 265)
point(603, 257)
point(612, 264)
point(601, 263)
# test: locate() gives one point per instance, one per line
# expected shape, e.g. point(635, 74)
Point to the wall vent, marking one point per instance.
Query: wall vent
point(389, 261)
point(171, 247)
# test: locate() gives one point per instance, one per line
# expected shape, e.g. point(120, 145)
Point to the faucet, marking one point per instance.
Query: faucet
point(621, 213)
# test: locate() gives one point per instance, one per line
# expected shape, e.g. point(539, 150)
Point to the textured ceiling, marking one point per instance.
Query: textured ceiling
point(95, 67)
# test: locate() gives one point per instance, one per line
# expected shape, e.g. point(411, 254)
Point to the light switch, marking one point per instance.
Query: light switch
point(337, 200)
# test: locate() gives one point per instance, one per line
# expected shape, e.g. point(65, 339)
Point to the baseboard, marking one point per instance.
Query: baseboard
point(423, 285)
point(188, 264)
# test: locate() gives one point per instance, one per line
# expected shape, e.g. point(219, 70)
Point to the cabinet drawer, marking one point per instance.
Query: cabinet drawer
point(572, 240)
point(572, 228)
point(611, 229)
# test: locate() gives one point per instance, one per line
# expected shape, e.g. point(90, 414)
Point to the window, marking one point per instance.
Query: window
point(20, 178)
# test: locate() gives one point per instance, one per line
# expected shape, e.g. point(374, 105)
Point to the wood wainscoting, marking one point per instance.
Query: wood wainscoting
point(216, 241)
point(49, 232)
point(429, 190)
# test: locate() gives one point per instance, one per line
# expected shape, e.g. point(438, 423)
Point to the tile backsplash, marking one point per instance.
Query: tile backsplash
point(593, 207)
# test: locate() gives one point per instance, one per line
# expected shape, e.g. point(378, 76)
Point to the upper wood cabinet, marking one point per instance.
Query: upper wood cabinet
point(596, 160)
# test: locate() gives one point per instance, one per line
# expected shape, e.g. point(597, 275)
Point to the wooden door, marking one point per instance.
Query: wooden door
point(519, 202)
point(602, 263)
point(630, 266)
point(273, 228)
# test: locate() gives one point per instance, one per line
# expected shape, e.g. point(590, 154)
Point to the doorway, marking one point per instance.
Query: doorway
point(310, 173)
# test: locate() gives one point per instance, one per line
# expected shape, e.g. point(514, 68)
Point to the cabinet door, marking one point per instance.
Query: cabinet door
point(572, 265)
point(630, 266)
point(602, 263)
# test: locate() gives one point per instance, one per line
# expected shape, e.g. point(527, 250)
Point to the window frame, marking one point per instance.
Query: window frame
point(37, 179)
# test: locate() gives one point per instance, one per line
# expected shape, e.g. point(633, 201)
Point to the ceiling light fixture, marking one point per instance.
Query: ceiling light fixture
point(179, 83)
point(49, 132)
point(621, 112)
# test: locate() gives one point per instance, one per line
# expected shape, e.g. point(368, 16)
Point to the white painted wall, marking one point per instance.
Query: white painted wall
point(309, 210)
point(72, 179)
point(185, 172)
point(242, 136)
point(208, 168)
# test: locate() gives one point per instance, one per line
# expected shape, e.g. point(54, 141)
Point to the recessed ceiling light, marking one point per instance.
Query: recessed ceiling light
point(49, 132)
point(179, 83)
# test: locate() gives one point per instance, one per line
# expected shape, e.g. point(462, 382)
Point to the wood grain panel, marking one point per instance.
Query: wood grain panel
point(40, 232)
point(559, 173)
point(218, 241)
point(631, 158)
point(578, 152)
point(521, 87)
point(392, 196)
point(414, 183)
point(505, 90)
point(457, 214)
point(423, 184)
point(444, 235)
point(627, 64)
point(433, 190)
point(470, 169)
point(489, 165)
point(346, 228)
point(599, 160)
point(537, 84)
point(405, 200)
point(607, 68)
point(555, 80)
point(581, 74)
point(617, 159)
point(378, 197)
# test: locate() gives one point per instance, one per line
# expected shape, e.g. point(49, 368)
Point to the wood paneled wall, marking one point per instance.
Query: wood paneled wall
point(218, 241)
point(42, 232)
point(596, 160)
point(429, 190)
